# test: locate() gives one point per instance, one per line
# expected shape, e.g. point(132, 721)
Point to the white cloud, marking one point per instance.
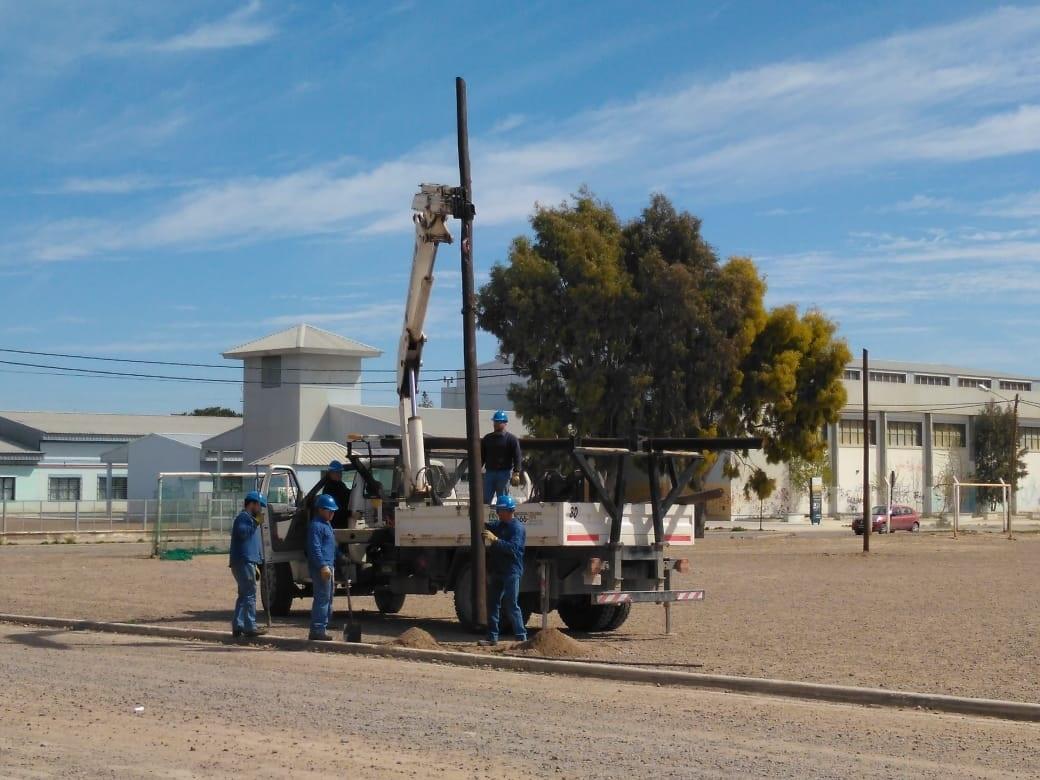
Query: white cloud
point(921, 203)
point(942, 94)
point(112, 185)
point(240, 28)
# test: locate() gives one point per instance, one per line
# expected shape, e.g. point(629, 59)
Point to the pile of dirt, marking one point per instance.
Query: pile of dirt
point(418, 639)
point(553, 643)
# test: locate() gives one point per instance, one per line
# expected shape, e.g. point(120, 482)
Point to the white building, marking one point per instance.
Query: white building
point(922, 420)
point(495, 378)
point(60, 456)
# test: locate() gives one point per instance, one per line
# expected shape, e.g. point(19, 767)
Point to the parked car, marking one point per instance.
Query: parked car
point(904, 518)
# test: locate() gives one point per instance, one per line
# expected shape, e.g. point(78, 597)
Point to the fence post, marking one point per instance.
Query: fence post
point(76, 504)
point(144, 518)
point(3, 527)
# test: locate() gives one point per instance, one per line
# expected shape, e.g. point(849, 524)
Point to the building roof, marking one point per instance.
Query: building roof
point(12, 452)
point(228, 441)
point(436, 422)
point(304, 340)
point(49, 424)
point(938, 368)
point(304, 453)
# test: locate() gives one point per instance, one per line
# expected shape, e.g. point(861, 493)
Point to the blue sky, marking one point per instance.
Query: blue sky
point(179, 178)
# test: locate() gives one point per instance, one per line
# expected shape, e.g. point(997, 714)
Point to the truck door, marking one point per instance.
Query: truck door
point(287, 520)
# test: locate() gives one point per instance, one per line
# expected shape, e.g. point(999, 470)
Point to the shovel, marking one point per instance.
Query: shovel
point(352, 630)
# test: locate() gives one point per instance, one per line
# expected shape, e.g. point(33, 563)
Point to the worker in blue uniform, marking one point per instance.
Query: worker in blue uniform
point(500, 455)
point(505, 538)
point(247, 553)
point(331, 485)
point(322, 554)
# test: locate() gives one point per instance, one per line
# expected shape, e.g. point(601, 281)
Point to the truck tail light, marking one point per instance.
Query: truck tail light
point(594, 566)
point(682, 565)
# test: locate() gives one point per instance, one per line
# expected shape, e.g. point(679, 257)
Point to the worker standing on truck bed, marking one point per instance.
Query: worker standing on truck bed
point(322, 554)
point(331, 485)
point(506, 539)
point(501, 458)
point(246, 555)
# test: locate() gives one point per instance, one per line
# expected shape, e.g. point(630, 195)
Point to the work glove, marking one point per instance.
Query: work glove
point(515, 480)
point(489, 538)
point(326, 573)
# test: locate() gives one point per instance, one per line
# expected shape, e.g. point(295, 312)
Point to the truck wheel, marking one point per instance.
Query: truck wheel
point(463, 598)
point(586, 617)
point(620, 616)
point(388, 602)
point(281, 587)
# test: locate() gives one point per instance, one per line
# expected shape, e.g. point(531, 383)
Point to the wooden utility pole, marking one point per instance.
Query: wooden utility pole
point(867, 519)
point(469, 338)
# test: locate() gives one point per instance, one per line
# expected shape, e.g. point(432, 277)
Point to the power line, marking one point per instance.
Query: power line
point(180, 364)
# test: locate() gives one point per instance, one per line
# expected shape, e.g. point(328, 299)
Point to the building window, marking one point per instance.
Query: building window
point(850, 432)
point(931, 379)
point(948, 436)
point(852, 374)
point(271, 371)
point(6, 488)
point(63, 489)
point(890, 377)
point(1015, 385)
point(1029, 438)
point(118, 489)
point(904, 434)
point(973, 381)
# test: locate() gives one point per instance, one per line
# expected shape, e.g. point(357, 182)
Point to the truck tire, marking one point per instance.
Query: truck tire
point(388, 602)
point(592, 618)
point(281, 587)
point(463, 600)
point(620, 616)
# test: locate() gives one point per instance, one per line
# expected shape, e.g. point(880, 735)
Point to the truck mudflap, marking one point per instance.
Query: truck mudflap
point(646, 596)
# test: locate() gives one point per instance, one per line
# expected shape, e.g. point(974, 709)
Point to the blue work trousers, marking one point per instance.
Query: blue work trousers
point(504, 594)
point(496, 483)
point(245, 606)
point(321, 609)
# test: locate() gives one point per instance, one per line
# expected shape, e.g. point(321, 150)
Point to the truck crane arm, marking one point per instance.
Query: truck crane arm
point(433, 205)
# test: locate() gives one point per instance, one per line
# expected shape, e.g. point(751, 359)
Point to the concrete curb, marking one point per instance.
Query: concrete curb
point(842, 694)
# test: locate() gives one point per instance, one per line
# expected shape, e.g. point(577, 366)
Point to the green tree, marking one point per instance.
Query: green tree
point(623, 329)
point(213, 411)
point(994, 429)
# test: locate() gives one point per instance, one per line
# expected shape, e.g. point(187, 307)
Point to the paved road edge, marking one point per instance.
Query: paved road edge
point(842, 694)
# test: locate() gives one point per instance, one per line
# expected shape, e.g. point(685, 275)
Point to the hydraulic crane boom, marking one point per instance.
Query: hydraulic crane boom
point(433, 205)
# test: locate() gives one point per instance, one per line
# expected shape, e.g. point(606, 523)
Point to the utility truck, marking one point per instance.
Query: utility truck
point(591, 552)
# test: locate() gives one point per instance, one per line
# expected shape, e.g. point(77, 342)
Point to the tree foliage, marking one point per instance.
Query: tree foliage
point(994, 432)
point(638, 328)
point(213, 411)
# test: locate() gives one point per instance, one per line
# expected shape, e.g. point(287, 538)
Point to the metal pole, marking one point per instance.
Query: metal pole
point(469, 337)
point(543, 589)
point(3, 528)
point(956, 506)
point(866, 456)
point(1012, 502)
point(668, 604)
point(77, 515)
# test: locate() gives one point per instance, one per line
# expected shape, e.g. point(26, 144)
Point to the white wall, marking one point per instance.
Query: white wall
point(152, 455)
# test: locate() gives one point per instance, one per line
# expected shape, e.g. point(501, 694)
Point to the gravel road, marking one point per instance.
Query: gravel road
point(218, 711)
point(921, 612)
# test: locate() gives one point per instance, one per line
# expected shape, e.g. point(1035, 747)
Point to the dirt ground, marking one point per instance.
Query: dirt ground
point(921, 612)
point(85, 705)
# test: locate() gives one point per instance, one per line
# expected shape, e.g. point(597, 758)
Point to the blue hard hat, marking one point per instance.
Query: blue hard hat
point(506, 502)
point(336, 466)
point(254, 495)
point(327, 502)
point(500, 416)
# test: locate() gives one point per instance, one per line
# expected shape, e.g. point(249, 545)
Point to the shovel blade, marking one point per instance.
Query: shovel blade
point(352, 633)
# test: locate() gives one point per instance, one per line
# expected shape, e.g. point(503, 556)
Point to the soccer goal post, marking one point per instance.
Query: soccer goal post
point(196, 509)
point(1002, 486)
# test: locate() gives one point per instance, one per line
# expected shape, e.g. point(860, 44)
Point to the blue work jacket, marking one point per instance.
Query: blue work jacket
point(245, 540)
point(506, 556)
point(321, 544)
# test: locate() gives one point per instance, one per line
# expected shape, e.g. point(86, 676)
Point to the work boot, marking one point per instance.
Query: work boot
point(236, 632)
point(487, 642)
point(320, 636)
point(258, 631)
